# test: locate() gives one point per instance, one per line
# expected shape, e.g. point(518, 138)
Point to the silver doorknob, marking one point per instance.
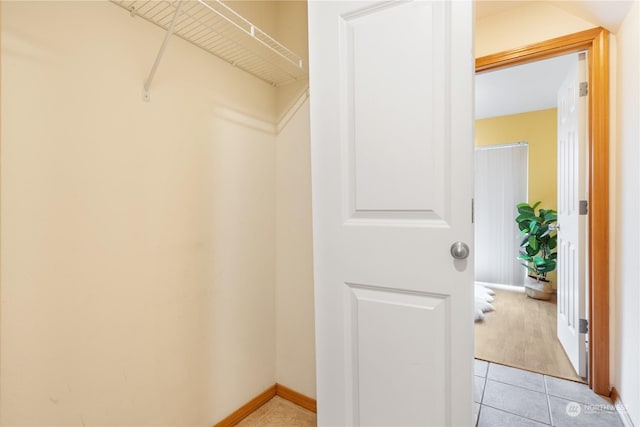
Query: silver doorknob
point(459, 250)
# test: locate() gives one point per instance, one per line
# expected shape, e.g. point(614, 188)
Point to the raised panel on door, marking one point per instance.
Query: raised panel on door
point(392, 379)
point(393, 80)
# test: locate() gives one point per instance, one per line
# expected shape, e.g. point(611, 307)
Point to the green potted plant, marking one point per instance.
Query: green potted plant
point(539, 241)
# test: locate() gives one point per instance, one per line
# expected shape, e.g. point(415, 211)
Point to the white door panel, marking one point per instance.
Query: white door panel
point(572, 167)
point(392, 145)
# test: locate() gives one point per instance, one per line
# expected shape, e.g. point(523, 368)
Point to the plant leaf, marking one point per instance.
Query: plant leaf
point(524, 206)
point(544, 231)
point(534, 228)
point(526, 217)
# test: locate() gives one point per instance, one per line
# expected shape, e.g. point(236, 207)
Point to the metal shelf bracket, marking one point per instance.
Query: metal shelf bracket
point(147, 84)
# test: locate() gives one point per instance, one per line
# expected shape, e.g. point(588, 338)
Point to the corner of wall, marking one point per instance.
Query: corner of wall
point(294, 259)
point(626, 351)
point(295, 329)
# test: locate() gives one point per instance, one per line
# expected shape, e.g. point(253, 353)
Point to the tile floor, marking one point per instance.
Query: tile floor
point(509, 397)
point(504, 397)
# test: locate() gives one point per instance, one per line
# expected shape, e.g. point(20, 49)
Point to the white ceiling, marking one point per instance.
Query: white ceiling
point(523, 88)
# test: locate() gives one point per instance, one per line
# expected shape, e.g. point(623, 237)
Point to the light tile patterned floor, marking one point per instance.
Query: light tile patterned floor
point(504, 397)
point(508, 397)
point(279, 412)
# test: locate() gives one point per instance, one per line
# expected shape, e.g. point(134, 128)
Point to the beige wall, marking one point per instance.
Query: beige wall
point(531, 22)
point(294, 262)
point(626, 232)
point(138, 254)
point(539, 130)
point(295, 330)
point(292, 32)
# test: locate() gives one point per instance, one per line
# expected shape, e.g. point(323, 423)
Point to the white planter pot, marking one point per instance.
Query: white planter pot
point(538, 289)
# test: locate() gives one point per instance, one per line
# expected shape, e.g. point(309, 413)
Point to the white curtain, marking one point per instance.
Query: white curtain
point(500, 184)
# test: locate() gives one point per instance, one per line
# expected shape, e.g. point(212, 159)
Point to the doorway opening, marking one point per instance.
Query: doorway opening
point(595, 43)
point(535, 309)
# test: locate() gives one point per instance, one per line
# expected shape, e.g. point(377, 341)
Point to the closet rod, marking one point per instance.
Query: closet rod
point(165, 42)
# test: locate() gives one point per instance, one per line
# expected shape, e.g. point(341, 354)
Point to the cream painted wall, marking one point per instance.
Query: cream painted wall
point(138, 254)
point(295, 328)
point(294, 262)
point(292, 31)
point(626, 353)
point(530, 23)
point(261, 13)
point(539, 129)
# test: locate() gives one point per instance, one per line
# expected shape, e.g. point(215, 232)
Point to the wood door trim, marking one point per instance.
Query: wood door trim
point(248, 408)
point(298, 398)
point(534, 52)
point(275, 390)
point(596, 42)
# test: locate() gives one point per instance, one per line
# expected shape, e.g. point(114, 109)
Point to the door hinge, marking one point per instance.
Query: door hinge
point(583, 327)
point(584, 207)
point(584, 88)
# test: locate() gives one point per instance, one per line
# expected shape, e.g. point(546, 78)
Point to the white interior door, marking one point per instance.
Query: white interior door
point(572, 188)
point(392, 148)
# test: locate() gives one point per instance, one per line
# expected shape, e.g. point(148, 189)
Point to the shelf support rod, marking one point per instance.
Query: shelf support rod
point(165, 42)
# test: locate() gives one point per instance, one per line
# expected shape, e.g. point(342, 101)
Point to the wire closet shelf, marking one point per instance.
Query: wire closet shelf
point(215, 27)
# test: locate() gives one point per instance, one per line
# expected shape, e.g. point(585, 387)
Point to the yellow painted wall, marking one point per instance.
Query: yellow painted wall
point(538, 128)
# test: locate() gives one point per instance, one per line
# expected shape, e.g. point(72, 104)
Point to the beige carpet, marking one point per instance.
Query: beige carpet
point(521, 332)
point(279, 412)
